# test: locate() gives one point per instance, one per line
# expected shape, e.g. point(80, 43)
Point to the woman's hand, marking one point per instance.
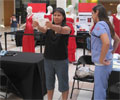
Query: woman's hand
point(22, 26)
point(105, 62)
point(40, 28)
point(35, 24)
point(48, 24)
point(10, 20)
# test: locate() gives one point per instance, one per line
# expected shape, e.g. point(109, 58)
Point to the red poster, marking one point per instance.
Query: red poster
point(38, 7)
point(85, 7)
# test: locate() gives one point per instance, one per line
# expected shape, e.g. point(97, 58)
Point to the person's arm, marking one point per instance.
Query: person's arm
point(116, 42)
point(23, 26)
point(11, 20)
point(104, 49)
point(18, 25)
point(58, 28)
point(111, 19)
point(42, 29)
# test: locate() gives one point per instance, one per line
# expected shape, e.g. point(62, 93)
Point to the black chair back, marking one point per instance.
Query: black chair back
point(86, 59)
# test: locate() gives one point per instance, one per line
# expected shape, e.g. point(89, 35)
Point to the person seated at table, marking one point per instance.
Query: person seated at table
point(88, 39)
point(56, 52)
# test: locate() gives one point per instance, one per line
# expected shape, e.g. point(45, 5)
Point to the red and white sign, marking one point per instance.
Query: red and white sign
point(38, 7)
point(86, 7)
point(85, 16)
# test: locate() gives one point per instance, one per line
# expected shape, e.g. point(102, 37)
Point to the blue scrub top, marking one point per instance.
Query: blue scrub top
point(100, 28)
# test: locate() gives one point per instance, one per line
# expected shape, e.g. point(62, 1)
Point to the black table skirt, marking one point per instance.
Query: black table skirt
point(26, 71)
point(112, 92)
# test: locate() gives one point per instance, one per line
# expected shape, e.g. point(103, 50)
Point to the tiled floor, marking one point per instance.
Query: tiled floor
point(77, 94)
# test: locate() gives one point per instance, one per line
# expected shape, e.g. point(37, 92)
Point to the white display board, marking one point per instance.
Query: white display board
point(84, 21)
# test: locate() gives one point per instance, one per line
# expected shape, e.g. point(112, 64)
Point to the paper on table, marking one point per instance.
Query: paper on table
point(116, 56)
point(116, 63)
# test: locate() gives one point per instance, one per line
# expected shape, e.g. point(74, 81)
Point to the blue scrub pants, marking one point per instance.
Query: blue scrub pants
point(101, 77)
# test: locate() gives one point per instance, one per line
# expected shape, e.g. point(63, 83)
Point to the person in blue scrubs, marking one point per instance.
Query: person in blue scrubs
point(102, 50)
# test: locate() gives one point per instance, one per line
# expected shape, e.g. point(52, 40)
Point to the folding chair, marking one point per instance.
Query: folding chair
point(6, 85)
point(3, 83)
point(86, 59)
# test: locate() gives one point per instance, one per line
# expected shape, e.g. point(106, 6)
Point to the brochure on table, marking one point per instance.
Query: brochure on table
point(116, 62)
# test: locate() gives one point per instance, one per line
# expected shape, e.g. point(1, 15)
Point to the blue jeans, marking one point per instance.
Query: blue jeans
point(13, 29)
point(101, 77)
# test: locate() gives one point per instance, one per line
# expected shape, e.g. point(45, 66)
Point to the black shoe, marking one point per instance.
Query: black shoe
point(12, 39)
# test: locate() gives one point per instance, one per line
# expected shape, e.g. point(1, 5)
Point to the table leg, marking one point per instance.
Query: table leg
point(5, 40)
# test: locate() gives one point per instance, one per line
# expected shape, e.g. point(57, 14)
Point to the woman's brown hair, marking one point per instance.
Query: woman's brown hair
point(102, 15)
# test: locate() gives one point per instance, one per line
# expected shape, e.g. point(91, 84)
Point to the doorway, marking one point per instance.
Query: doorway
point(8, 11)
point(1, 12)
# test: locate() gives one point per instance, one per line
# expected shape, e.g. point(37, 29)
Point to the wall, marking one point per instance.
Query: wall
point(110, 6)
point(8, 11)
point(1, 12)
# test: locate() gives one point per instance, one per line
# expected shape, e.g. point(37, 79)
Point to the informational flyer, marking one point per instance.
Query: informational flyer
point(84, 21)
